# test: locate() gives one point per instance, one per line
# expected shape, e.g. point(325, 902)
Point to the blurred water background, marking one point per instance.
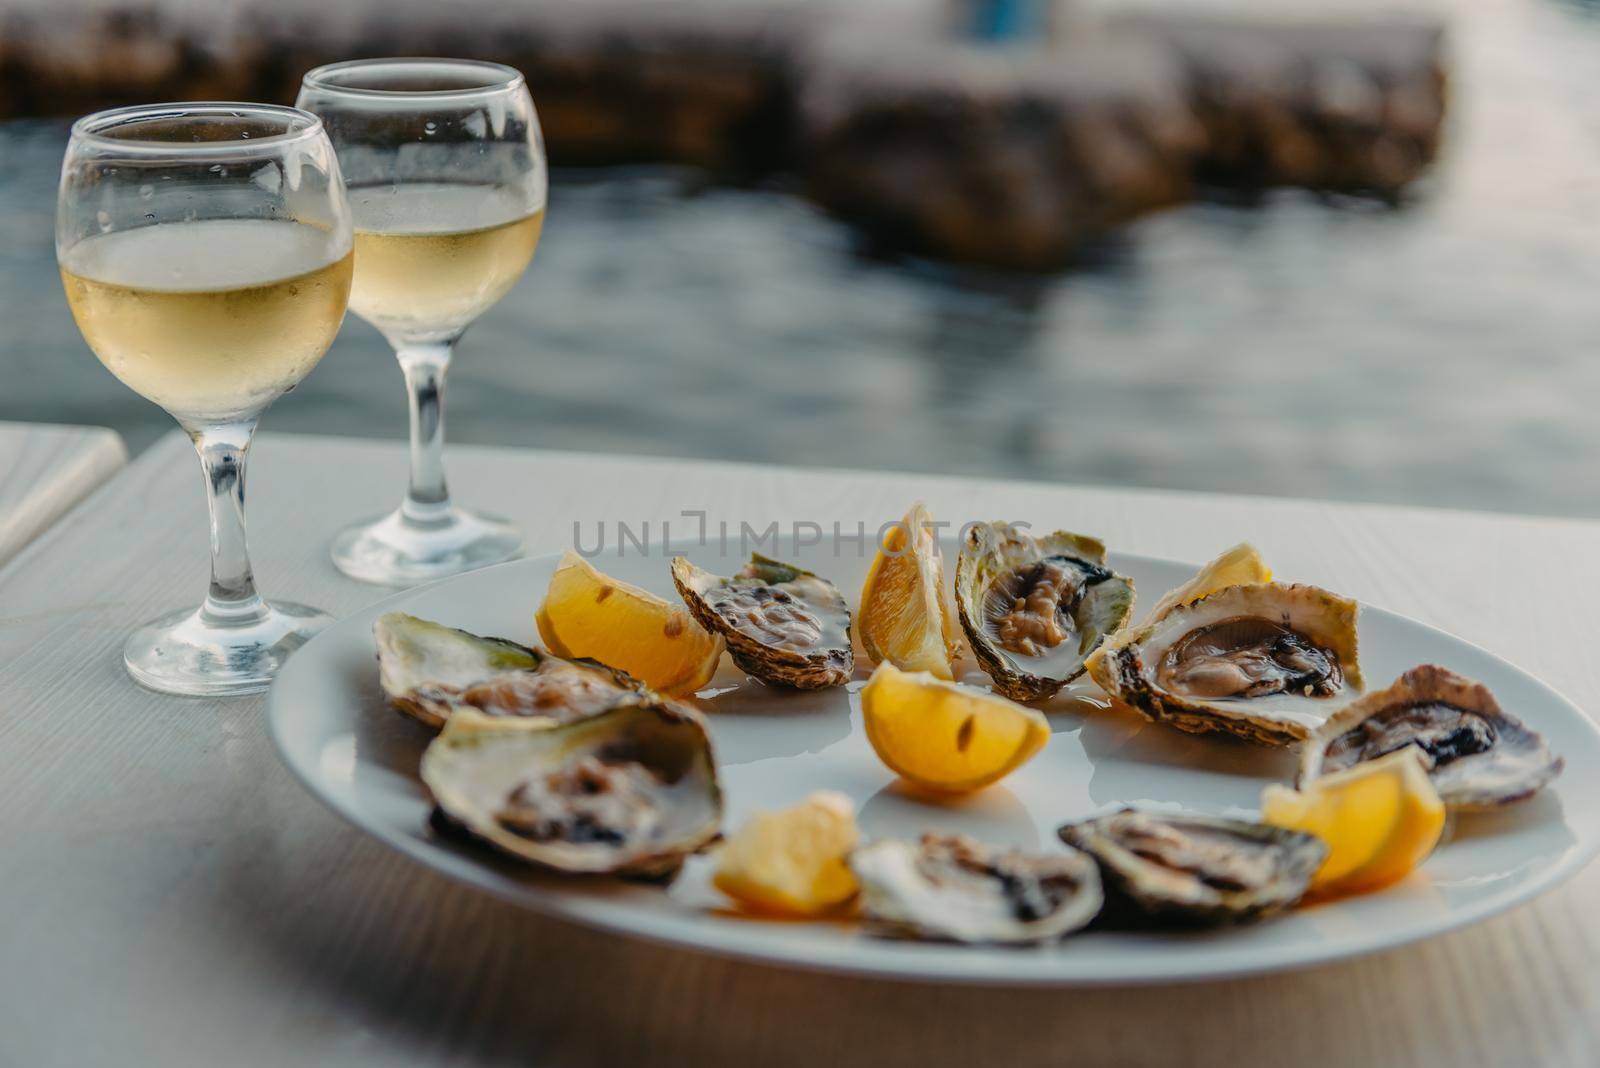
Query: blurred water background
point(1439, 351)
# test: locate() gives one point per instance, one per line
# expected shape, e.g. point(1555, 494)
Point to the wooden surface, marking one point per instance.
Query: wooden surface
point(44, 470)
point(171, 896)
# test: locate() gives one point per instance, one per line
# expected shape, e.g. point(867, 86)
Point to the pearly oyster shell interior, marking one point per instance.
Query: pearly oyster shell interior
point(1267, 662)
point(1035, 609)
point(1161, 868)
point(1479, 756)
point(952, 888)
point(632, 790)
point(427, 670)
point(782, 624)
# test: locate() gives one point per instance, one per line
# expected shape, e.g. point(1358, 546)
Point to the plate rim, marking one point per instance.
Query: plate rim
point(888, 960)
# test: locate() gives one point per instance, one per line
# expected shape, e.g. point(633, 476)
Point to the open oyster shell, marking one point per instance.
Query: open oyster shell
point(1035, 609)
point(1479, 756)
point(428, 670)
point(955, 889)
point(1267, 662)
point(1192, 869)
point(632, 790)
point(782, 624)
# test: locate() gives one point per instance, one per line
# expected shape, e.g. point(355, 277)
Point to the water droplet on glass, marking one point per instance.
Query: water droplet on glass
point(147, 191)
point(150, 215)
point(217, 168)
point(430, 127)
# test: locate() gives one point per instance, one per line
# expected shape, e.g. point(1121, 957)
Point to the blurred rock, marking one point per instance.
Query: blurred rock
point(615, 80)
point(1350, 105)
point(1005, 154)
point(1007, 157)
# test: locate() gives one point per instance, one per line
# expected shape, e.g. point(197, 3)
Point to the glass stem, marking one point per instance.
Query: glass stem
point(232, 600)
point(428, 498)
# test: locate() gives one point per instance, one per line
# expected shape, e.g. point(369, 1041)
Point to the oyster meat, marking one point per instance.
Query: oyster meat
point(952, 888)
point(427, 670)
point(1266, 661)
point(1034, 609)
point(632, 790)
point(1192, 869)
point(1478, 755)
point(782, 624)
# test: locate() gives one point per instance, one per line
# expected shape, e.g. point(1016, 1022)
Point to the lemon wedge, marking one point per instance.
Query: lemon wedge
point(943, 736)
point(588, 613)
point(904, 618)
point(792, 862)
point(1380, 819)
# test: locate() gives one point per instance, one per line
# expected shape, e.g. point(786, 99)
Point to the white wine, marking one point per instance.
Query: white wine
point(433, 256)
point(208, 319)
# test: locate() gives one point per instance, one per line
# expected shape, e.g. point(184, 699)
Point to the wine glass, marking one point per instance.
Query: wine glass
point(446, 169)
point(206, 254)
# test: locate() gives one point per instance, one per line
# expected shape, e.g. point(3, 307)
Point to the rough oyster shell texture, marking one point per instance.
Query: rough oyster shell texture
point(782, 624)
point(952, 888)
point(1479, 756)
point(1034, 609)
point(427, 670)
point(632, 790)
point(1267, 662)
point(1172, 868)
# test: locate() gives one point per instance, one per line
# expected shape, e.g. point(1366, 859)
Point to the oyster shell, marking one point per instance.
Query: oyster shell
point(1035, 609)
point(955, 889)
point(1266, 661)
point(1192, 869)
point(428, 670)
point(632, 790)
point(1479, 756)
point(783, 625)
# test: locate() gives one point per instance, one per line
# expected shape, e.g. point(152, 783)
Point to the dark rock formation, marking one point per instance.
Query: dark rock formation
point(1006, 157)
point(1334, 105)
point(615, 80)
point(1001, 154)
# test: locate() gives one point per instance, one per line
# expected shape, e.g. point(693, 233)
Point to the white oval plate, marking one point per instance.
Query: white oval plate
point(334, 730)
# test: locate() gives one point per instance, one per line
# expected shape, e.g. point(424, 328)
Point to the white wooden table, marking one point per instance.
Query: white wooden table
point(171, 896)
point(45, 470)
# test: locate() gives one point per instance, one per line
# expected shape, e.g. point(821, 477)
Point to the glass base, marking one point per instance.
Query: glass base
point(193, 653)
point(397, 551)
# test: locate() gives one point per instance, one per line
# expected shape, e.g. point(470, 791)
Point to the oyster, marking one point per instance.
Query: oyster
point(632, 790)
point(1192, 869)
point(955, 889)
point(1478, 755)
point(1035, 609)
point(428, 670)
point(1265, 661)
point(782, 624)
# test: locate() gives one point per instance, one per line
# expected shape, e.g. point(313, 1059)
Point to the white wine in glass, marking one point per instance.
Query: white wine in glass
point(436, 255)
point(446, 170)
point(208, 318)
point(206, 251)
